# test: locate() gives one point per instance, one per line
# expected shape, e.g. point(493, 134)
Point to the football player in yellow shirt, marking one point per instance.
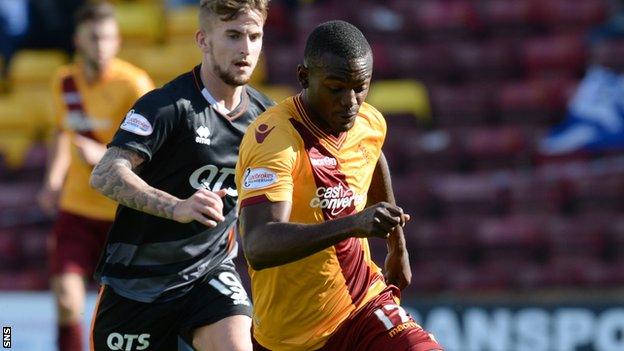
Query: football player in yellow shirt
point(92, 95)
point(313, 186)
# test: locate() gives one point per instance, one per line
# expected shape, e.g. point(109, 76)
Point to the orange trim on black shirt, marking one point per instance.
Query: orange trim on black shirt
point(95, 312)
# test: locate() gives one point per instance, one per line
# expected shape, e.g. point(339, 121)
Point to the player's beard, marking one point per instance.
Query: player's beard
point(227, 77)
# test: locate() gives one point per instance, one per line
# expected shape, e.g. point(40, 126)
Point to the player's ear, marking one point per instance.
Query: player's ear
point(302, 75)
point(201, 39)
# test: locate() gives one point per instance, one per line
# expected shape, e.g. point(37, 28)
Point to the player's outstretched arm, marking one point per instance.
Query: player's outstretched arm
point(90, 151)
point(270, 240)
point(56, 170)
point(114, 176)
point(397, 267)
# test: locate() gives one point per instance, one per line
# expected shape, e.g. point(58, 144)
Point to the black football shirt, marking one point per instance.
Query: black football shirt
point(187, 145)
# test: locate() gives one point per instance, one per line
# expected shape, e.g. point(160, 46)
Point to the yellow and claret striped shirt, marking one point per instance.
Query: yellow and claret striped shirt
point(94, 110)
point(285, 156)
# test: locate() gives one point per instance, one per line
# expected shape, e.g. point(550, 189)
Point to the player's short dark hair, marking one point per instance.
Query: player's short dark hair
point(336, 37)
point(94, 11)
point(228, 10)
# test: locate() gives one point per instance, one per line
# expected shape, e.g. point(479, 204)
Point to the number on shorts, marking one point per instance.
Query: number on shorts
point(228, 285)
point(384, 318)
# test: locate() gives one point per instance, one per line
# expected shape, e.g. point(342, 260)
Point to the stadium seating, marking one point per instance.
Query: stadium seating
point(428, 62)
point(400, 97)
point(277, 92)
point(310, 15)
point(9, 249)
point(460, 106)
point(468, 88)
point(581, 236)
point(382, 20)
point(507, 14)
point(433, 276)
point(282, 64)
point(516, 237)
point(608, 53)
point(615, 238)
point(450, 239)
point(555, 56)
point(487, 277)
point(565, 14)
point(13, 148)
point(182, 23)
point(12, 116)
point(34, 68)
point(445, 20)
point(165, 62)
point(479, 61)
point(533, 101)
point(141, 22)
point(496, 147)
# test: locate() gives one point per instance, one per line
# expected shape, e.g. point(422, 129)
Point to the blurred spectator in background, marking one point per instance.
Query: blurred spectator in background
point(13, 27)
point(91, 97)
point(51, 24)
point(38, 24)
point(613, 27)
point(595, 116)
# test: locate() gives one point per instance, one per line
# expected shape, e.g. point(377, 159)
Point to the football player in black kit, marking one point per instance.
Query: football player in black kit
point(167, 269)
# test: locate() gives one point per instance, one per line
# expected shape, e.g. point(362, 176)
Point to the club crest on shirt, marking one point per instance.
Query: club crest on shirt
point(258, 178)
point(262, 131)
point(137, 124)
point(368, 157)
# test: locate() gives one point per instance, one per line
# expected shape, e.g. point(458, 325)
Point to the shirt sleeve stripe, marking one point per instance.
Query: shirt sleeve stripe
point(254, 200)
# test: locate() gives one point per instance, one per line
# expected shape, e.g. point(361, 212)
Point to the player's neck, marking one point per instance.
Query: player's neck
point(314, 117)
point(225, 94)
point(91, 73)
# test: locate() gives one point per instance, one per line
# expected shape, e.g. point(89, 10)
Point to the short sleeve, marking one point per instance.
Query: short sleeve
point(378, 122)
point(267, 159)
point(141, 85)
point(378, 128)
point(149, 123)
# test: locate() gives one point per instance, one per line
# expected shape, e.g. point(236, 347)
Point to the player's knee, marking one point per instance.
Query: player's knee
point(69, 292)
point(68, 311)
point(69, 307)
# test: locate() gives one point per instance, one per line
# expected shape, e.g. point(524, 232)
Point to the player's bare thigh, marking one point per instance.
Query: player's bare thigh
point(229, 334)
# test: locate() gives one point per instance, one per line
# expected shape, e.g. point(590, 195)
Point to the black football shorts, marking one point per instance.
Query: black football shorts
point(125, 324)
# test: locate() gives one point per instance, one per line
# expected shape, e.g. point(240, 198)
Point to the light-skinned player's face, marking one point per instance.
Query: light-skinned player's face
point(335, 90)
point(232, 48)
point(98, 42)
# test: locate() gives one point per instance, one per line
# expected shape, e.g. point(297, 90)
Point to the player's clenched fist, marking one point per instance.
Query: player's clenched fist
point(380, 220)
point(204, 206)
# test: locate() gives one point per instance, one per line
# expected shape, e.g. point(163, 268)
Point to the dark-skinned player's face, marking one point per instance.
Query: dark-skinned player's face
point(335, 90)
